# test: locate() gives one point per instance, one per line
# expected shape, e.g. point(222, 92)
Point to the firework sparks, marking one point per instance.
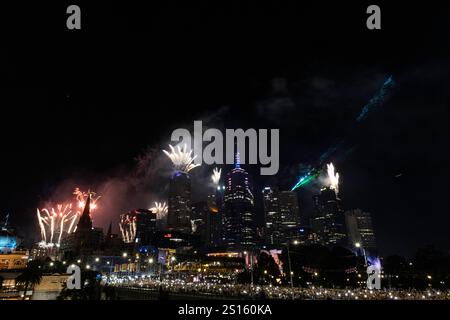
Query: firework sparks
point(182, 159)
point(127, 227)
point(82, 196)
point(53, 224)
point(333, 178)
point(215, 177)
point(56, 222)
point(160, 209)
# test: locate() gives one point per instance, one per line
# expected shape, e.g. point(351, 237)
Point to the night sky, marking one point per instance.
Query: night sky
point(93, 108)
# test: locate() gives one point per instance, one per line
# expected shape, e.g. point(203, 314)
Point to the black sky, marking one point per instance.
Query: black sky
point(81, 105)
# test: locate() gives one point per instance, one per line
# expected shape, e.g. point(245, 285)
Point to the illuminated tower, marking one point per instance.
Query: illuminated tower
point(179, 207)
point(281, 215)
point(272, 216)
point(360, 229)
point(289, 215)
point(328, 222)
point(214, 219)
point(239, 231)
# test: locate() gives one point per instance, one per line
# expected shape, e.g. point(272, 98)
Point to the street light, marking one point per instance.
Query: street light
point(124, 254)
point(295, 242)
point(358, 246)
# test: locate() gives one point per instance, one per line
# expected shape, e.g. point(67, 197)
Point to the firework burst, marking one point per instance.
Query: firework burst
point(215, 177)
point(55, 222)
point(160, 209)
point(182, 159)
point(333, 178)
point(127, 227)
point(82, 196)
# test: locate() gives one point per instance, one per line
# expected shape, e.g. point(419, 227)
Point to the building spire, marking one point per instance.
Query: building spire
point(237, 162)
point(85, 222)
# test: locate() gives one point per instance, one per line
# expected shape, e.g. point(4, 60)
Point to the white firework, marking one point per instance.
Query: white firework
point(54, 223)
point(127, 227)
point(333, 178)
point(160, 209)
point(182, 159)
point(215, 177)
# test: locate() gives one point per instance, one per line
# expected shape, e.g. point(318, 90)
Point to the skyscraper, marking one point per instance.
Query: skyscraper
point(282, 216)
point(239, 228)
point(328, 222)
point(360, 229)
point(179, 209)
point(272, 216)
point(214, 218)
point(199, 216)
point(290, 215)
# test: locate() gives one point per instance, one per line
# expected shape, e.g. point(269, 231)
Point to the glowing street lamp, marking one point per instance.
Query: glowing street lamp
point(124, 254)
point(359, 246)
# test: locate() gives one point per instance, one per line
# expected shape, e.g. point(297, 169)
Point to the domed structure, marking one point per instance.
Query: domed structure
point(8, 241)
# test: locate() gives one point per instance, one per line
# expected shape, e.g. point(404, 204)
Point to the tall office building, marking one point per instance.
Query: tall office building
point(179, 208)
point(214, 218)
point(360, 229)
point(272, 230)
point(282, 216)
point(199, 216)
point(239, 228)
point(290, 215)
point(328, 222)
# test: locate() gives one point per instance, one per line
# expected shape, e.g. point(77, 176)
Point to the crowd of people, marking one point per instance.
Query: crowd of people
point(241, 291)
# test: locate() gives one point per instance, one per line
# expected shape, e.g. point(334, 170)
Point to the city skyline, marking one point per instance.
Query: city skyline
point(264, 152)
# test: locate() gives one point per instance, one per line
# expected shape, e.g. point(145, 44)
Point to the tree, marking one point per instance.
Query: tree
point(30, 277)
